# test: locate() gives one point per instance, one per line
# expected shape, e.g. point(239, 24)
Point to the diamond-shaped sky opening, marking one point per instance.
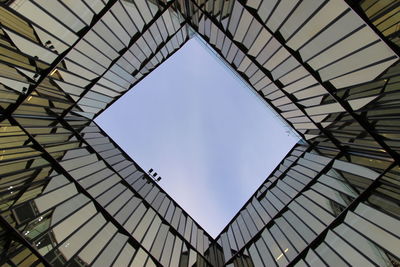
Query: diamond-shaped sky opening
point(210, 137)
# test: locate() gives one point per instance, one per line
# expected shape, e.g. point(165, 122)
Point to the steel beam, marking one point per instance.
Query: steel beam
point(141, 78)
point(57, 166)
point(277, 84)
point(14, 232)
point(10, 109)
point(329, 88)
point(340, 218)
point(124, 182)
point(133, 40)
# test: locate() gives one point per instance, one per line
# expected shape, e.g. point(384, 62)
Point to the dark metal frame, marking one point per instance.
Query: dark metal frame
point(345, 151)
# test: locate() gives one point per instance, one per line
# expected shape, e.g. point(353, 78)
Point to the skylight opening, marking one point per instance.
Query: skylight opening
point(197, 124)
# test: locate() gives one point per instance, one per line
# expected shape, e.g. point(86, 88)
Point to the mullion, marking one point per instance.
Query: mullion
point(354, 5)
point(49, 231)
point(362, 235)
point(330, 89)
point(140, 79)
point(262, 195)
point(81, 189)
point(119, 254)
point(148, 205)
point(133, 40)
point(45, 73)
point(334, 251)
point(378, 226)
point(342, 215)
point(70, 10)
point(290, 97)
point(353, 247)
point(57, 20)
point(106, 246)
point(14, 232)
point(16, 50)
point(281, 211)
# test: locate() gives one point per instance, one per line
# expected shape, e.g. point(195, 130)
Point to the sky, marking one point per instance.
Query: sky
point(212, 140)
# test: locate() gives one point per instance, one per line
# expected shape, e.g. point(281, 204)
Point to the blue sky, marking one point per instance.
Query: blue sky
point(210, 137)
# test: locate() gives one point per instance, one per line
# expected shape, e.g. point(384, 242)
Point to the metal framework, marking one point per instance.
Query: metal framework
point(70, 196)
